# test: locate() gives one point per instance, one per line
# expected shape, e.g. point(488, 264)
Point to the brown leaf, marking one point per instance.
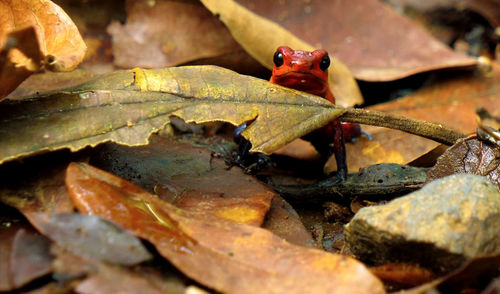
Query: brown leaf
point(392, 49)
point(91, 236)
point(127, 106)
point(451, 101)
point(116, 280)
point(185, 174)
point(225, 256)
point(19, 58)
point(168, 33)
point(30, 258)
point(57, 37)
point(261, 37)
point(85, 275)
point(474, 272)
point(487, 8)
point(24, 254)
point(402, 275)
point(284, 222)
point(470, 156)
point(36, 187)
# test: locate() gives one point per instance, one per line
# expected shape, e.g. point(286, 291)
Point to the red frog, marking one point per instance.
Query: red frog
point(308, 72)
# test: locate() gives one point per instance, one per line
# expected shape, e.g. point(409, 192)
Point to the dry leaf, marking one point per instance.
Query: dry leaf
point(56, 40)
point(24, 254)
point(402, 275)
point(93, 237)
point(479, 269)
point(490, 9)
point(127, 106)
point(261, 37)
point(392, 49)
point(166, 33)
point(471, 156)
point(36, 187)
point(24, 44)
point(184, 175)
point(225, 256)
point(101, 277)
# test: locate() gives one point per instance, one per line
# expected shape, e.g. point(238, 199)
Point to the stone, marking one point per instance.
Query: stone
point(439, 226)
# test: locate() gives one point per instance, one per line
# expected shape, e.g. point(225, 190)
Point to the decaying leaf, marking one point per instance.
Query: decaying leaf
point(166, 33)
point(392, 49)
point(36, 186)
point(24, 254)
point(470, 156)
point(30, 258)
point(57, 42)
point(102, 277)
point(127, 106)
point(489, 9)
point(223, 255)
point(91, 236)
point(260, 38)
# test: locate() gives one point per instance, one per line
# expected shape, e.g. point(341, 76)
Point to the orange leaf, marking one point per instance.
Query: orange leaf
point(225, 256)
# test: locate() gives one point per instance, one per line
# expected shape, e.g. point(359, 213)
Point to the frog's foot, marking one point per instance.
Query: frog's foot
point(261, 162)
point(252, 163)
point(370, 137)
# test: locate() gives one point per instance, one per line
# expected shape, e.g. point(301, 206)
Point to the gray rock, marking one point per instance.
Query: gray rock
point(439, 226)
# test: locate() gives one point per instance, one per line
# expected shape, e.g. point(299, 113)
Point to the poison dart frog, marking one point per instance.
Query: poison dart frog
point(308, 72)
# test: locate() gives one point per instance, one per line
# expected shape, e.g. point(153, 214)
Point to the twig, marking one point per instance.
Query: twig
point(436, 132)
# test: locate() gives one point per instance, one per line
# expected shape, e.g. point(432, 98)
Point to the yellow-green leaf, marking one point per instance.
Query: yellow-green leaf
point(127, 106)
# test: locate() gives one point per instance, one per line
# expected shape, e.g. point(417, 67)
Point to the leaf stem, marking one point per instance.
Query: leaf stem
point(436, 132)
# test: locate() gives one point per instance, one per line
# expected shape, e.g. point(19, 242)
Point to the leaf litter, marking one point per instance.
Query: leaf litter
point(47, 195)
point(242, 258)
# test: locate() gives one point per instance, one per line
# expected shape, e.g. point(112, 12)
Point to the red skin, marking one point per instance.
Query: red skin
point(301, 70)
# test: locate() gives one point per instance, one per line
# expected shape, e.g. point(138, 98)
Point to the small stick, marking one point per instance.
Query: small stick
point(432, 131)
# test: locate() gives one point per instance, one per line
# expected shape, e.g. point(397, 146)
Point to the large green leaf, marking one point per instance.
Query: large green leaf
point(127, 106)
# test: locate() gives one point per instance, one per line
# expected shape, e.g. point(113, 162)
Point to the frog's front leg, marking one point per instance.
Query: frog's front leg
point(252, 163)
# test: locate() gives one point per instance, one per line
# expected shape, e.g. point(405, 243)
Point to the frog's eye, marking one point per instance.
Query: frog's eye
point(324, 63)
point(278, 58)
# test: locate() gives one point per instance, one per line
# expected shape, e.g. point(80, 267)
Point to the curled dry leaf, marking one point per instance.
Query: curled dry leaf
point(470, 156)
point(60, 46)
point(392, 49)
point(127, 106)
point(225, 256)
point(260, 37)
